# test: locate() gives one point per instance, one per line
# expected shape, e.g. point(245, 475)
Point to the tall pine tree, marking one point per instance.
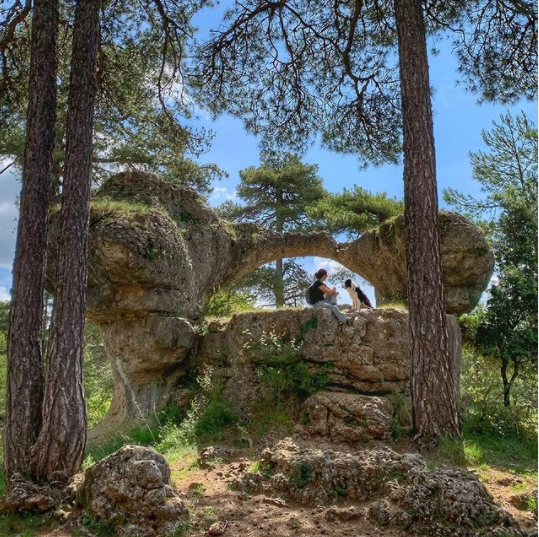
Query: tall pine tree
point(295, 68)
point(25, 360)
point(277, 196)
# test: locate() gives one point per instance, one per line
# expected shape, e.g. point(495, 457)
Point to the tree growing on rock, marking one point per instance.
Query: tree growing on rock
point(277, 196)
point(507, 329)
point(293, 68)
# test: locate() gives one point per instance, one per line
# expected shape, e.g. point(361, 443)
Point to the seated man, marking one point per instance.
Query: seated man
point(321, 296)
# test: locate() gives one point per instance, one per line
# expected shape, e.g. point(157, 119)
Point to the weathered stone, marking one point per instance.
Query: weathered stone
point(212, 455)
point(346, 417)
point(146, 357)
point(400, 489)
point(24, 496)
point(372, 356)
point(156, 247)
point(524, 500)
point(157, 252)
point(131, 489)
point(345, 514)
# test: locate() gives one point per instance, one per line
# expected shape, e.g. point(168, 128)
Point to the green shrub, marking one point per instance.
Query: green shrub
point(482, 396)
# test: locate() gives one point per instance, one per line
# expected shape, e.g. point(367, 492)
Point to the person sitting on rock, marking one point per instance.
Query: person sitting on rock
point(321, 296)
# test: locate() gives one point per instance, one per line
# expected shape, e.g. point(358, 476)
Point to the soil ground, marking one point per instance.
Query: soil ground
point(214, 504)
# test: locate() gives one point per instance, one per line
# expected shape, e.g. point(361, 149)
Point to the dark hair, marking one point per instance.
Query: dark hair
point(320, 273)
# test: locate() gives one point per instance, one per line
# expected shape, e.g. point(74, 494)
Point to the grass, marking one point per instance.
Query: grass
point(396, 304)
point(510, 454)
point(23, 525)
point(125, 208)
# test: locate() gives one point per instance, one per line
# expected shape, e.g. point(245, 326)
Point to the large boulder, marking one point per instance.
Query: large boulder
point(392, 489)
point(131, 492)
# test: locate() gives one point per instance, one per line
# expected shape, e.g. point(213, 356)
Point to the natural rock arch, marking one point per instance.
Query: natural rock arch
point(157, 252)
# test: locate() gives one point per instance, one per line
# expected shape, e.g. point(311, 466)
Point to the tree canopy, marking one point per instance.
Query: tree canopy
point(292, 69)
point(140, 108)
point(507, 328)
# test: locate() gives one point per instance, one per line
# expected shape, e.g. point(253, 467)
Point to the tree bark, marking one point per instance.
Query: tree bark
point(432, 383)
point(508, 383)
point(278, 286)
point(62, 440)
point(25, 364)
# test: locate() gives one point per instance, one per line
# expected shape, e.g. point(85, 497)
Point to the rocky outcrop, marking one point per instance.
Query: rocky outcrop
point(131, 492)
point(156, 247)
point(390, 489)
point(147, 357)
point(370, 357)
point(346, 417)
point(157, 252)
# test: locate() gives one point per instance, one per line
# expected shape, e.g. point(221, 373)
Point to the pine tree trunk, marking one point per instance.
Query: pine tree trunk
point(25, 364)
point(279, 284)
point(62, 440)
point(433, 388)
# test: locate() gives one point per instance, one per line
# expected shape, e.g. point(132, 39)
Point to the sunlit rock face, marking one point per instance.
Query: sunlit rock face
point(156, 247)
point(157, 252)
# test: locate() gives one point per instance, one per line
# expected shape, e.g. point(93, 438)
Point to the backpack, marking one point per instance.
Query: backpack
point(308, 296)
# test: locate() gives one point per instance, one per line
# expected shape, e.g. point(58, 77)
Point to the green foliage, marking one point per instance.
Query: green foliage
point(482, 394)
point(300, 69)
point(507, 329)
point(228, 300)
point(283, 375)
point(261, 283)
point(354, 211)
point(140, 96)
point(402, 415)
point(277, 196)
point(126, 208)
point(97, 527)
point(301, 475)
point(23, 525)
point(97, 375)
point(207, 420)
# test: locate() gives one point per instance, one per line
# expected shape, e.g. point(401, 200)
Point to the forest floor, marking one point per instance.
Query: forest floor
point(214, 504)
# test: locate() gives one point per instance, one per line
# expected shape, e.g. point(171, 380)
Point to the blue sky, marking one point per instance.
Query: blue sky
point(458, 121)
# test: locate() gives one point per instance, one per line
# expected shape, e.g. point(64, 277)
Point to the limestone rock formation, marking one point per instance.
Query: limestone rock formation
point(371, 357)
point(156, 247)
point(399, 489)
point(346, 417)
point(131, 490)
point(157, 252)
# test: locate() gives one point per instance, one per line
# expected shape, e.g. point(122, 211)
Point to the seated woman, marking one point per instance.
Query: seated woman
point(321, 296)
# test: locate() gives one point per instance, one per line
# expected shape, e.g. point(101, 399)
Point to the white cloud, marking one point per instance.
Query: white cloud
point(4, 294)
point(328, 264)
point(221, 194)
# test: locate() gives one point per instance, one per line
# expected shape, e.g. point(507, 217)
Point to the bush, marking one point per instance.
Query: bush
point(482, 396)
